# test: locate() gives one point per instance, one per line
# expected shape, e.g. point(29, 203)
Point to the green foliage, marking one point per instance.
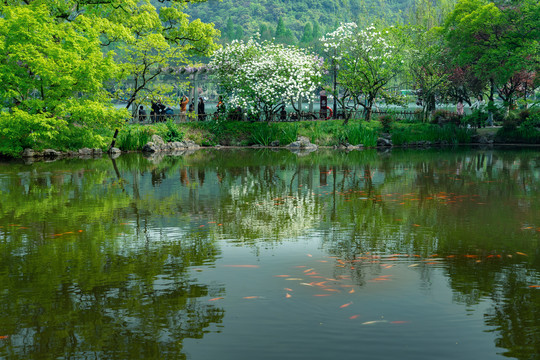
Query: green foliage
point(442, 117)
point(169, 131)
point(134, 137)
point(359, 133)
point(263, 16)
point(449, 133)
point(19, 130)
point(477, 118)
point(264, 135)
point(386, 122)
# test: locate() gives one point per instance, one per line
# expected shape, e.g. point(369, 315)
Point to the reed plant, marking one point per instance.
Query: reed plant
point(264, 134)
point(360, 133)
point(134, 137)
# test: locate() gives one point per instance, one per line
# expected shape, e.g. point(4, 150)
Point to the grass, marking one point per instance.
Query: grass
point(323, 133)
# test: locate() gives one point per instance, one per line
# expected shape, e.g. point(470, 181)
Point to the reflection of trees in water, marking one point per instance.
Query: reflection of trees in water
point(357, 201)
point(75, 281)
point(514, 315)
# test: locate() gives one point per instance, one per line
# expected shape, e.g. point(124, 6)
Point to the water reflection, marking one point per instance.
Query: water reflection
point(100, 259)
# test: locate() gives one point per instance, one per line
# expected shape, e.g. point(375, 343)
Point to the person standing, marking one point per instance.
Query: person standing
point(460, 109)
point(142, 114)
point(183, 108)
point(200, 108)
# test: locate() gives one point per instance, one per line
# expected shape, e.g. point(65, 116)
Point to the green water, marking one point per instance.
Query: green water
point(256, 254)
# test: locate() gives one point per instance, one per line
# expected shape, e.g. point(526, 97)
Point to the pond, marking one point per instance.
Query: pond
point(260, 254)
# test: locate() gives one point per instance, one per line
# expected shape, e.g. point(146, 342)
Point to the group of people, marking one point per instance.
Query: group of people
point(159, 112)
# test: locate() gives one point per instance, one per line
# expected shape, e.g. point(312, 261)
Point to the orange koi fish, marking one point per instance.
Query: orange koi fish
point(345, 305)
point(520, 253)
point(308, 270)
point(282, 275)
point(251, 297)
point(288, 289)
point(354, 317)
point(287, 295)
point(214, 299)
point(321, 295)
point(352, 291)
point(534, 286)
point(398, 322)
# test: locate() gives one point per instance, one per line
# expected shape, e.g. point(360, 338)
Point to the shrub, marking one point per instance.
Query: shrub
point(477, 118)
point(442, 117)
point(386, 123)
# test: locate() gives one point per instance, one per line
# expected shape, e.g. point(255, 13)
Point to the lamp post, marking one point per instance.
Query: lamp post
point(335, 85)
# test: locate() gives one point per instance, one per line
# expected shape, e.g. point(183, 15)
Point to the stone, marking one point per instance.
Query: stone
point(85, 151)
point(274, 143)
point(51, 153)
point(28, 153)
point(191, 145)
point(302, 143)
point(151, 148)
point(157, 140)
point(97, 152)
point(115, 150)
point(384, 142)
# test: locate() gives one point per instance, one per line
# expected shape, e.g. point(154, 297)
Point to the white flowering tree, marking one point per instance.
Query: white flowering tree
point(261, 78)
point(368, 61)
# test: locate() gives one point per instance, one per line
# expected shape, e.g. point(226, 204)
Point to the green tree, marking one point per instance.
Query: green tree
point(56, 57)
point(497, 43)
point(307, 36)
point(229, 29)
point(52, 74)
point(368, 61)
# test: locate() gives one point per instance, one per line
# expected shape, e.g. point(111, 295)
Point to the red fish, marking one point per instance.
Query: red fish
point(354, 317)
point(4, 337)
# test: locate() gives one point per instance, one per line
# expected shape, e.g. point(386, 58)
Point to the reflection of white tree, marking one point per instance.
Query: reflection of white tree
point(272, 214)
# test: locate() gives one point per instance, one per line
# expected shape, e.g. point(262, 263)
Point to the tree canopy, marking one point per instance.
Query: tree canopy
point(59, 62)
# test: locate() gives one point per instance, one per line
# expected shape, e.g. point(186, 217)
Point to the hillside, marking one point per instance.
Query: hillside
point(299, 18)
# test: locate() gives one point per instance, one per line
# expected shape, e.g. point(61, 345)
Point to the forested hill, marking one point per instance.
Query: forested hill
point(299, 18)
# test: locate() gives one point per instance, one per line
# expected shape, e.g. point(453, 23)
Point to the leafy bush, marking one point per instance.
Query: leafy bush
point(442, 117)
point(169, 131)
point(477, 118)
point(386, 122)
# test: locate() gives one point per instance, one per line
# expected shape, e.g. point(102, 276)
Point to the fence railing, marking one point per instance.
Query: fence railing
point(406, 115)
